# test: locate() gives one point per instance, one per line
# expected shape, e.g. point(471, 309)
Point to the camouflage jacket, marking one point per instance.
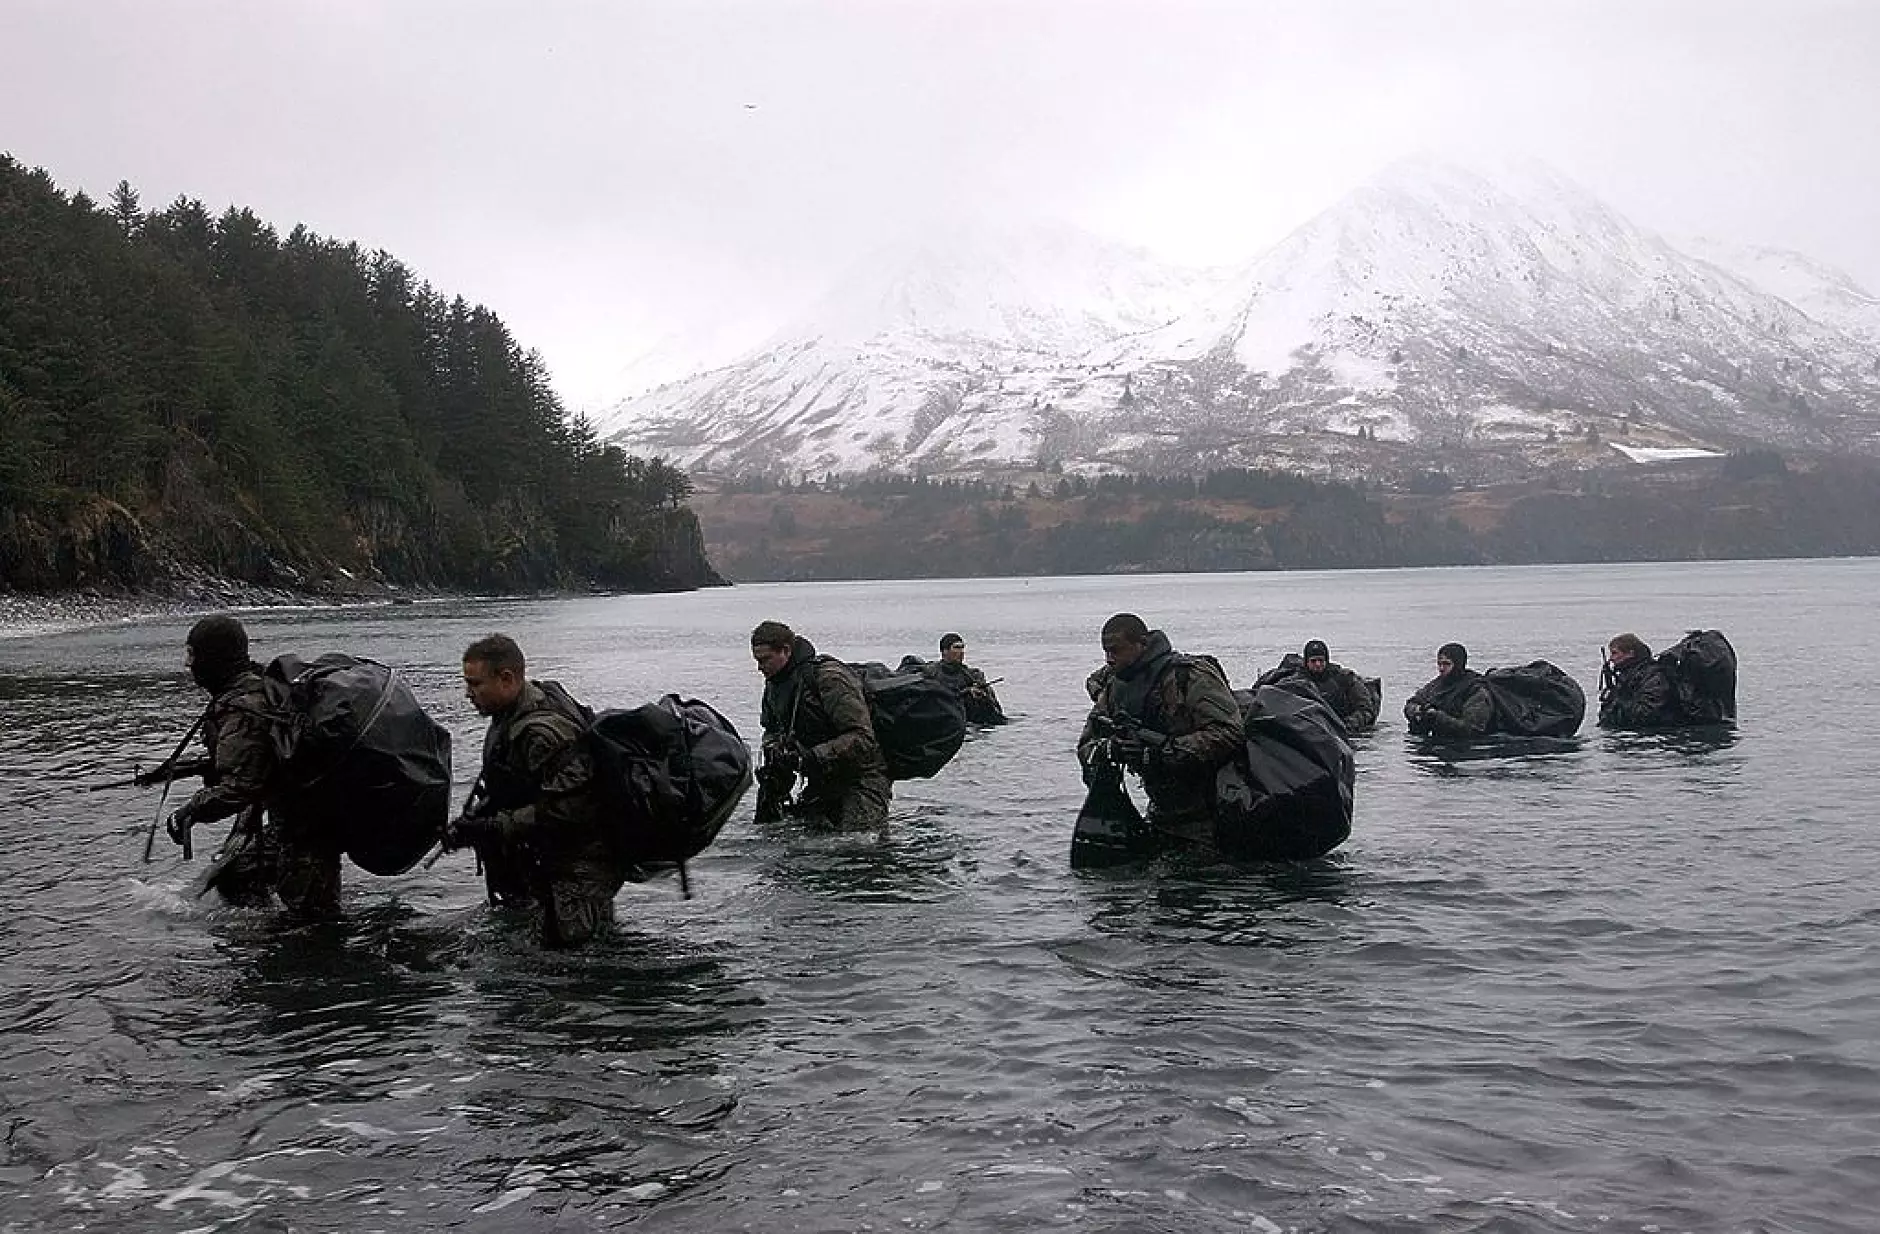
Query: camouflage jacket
point(1346, 693)
point(819, 701)
point(238, 731)
point(1181, 697)
point(982, 702)
point(1639, 696)
point(538, 775)
point(1456, 704)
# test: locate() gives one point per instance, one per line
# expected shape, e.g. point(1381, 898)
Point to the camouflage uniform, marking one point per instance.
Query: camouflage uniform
point(1348, 695)
point(1640, 696)
point(1188, 701)
point(982, 705)
point(1455, 704)
point(267, 849)
point(549, 845)
point(818, 701)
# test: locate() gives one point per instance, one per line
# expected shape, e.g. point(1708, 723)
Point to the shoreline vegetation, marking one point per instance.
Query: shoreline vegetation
point(187, 395)
point(1755, 504)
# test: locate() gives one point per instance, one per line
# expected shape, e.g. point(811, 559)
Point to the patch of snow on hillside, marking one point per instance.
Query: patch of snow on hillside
point(1662, 454)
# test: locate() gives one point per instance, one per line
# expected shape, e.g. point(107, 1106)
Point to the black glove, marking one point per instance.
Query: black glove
point(178, 824)
point(468, 830)
point(783, 755)
point(1163, 755)
point(1128, 751)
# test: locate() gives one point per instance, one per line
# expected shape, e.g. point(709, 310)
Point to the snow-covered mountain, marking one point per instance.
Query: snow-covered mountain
point(1435, 308)
point(1828, 295)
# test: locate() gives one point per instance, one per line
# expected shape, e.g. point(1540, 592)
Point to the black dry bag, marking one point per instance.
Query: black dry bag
point(1288, 795)
point(1702, 669)
point(920, 723)
point(359, 759)
point(669, 774)
point(1536, 700)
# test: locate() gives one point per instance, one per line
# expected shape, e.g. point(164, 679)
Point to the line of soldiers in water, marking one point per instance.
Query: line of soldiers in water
point(534, 823)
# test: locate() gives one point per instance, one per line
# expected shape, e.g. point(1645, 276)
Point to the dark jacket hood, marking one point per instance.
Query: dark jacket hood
point(1154, 651)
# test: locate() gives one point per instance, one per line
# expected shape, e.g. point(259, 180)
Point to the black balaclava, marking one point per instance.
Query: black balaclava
point(1455, 653)
point(219, 652)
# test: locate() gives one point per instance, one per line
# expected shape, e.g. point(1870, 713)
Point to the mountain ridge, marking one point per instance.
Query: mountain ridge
point(1433, 306)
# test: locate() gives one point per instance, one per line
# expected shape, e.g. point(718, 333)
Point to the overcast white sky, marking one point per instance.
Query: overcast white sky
point(606, 174)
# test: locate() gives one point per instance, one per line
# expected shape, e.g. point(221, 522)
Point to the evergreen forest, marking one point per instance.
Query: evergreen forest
point(184, 392)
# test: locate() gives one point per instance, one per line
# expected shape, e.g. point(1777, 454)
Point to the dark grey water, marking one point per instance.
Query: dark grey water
point(1626, 986)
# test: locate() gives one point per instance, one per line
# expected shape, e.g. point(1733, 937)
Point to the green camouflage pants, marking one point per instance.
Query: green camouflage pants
point(862, 806)
point(261, 859)
point(576, 897)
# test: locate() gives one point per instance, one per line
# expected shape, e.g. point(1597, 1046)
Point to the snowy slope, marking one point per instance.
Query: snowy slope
point(1828, 295)
point(1434, 307)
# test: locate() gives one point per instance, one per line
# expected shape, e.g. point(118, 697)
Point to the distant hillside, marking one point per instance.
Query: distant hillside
point(1743, 506)
point(185, 394)
point(1474, 321)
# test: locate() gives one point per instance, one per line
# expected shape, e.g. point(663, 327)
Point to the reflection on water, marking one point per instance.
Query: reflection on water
point(1263, 905)
point(1595, 984)
point(916, 859)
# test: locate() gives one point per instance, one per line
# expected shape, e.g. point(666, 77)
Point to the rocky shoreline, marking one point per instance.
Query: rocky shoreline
point(25, 614)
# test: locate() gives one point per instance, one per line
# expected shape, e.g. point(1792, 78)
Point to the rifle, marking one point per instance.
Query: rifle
point(156, 820)
point(1110, 830)
point(1129, 730)
point(776, 781)
point(475, 805)
point(1606, 678)
point(162, 773)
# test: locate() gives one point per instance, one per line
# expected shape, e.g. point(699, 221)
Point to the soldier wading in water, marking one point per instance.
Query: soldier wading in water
point(1168, 716)
point(535, 818)
point(268, 850)
point(817, 724)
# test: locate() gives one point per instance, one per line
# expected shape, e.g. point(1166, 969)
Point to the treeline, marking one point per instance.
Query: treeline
point(1238, 484)
point(181, 386)
point(1750, 504)
point(887, 526)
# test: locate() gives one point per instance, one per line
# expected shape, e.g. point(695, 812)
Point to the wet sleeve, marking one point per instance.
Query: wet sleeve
point(847, 708)
point(1473, 719)
point(1216, 737)
point(549, 757)
point(244, 767)
point(1363, 713)
point(1478, 713)
point(1087, 740)
point(1653, 702)
point(1616, 710)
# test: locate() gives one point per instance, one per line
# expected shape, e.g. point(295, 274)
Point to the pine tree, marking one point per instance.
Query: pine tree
point(125, 208)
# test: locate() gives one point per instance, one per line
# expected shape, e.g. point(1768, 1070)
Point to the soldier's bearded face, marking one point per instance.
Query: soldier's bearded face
point(956, 654)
